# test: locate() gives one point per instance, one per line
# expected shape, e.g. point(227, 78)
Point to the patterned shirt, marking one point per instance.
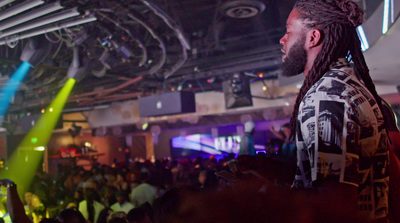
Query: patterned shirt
point(341, 135)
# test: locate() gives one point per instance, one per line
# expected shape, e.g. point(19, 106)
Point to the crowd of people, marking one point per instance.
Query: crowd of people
point(166, 191)
point(107, 191)
point(128, 189)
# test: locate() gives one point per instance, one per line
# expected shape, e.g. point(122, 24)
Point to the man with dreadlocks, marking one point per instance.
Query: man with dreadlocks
point(337, 120)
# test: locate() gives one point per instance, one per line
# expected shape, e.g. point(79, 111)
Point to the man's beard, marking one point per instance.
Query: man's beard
point(296, 59)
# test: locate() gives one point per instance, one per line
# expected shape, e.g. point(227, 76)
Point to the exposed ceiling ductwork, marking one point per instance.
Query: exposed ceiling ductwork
point(241, 9)
point(142, 47)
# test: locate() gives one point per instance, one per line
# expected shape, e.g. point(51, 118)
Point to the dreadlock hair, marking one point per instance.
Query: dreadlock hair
point(337, 20)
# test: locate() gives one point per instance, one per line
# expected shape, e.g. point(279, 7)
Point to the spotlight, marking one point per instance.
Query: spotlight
point(211, 80)
point(36, 50)
point(145, 126)
point(79, 66)
point(39, 148)
point(98, 69)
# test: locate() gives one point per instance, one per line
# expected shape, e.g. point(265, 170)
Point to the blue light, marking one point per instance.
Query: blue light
point(363, 37)
point(9, 89)
point(104, 43)
point(385, 25)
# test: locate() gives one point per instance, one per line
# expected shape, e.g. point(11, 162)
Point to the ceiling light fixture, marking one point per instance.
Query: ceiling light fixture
point(12, 11)
point(48, 29)
point(41, 22)
point(363, 38)
point(31, 15)
point(385, 25)
point(5, 2)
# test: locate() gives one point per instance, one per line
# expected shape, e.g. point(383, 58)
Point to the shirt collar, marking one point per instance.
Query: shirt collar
point(341, 62)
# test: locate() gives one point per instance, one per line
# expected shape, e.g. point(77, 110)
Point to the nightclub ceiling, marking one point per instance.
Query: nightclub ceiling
point(143, 47)
point(129, 49)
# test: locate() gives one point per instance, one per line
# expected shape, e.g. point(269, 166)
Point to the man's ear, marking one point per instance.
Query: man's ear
point(314, 38)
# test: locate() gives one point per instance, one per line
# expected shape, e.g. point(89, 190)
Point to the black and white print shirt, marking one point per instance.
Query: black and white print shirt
point(341, 135)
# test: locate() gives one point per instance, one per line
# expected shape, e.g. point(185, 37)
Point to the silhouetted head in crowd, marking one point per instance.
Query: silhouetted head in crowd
point(90, 196)
point(121, 196)
point(167, 206)
point(28, 198)
point(144, 177)
point(120, 177)
point(71, 216)
point(249, 128)
point(286, 130)
point(104, 215)
point(138, 215)
point(117, 220)
point(208, 179)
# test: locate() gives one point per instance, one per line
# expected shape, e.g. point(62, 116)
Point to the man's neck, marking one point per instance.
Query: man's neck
point(311, 57)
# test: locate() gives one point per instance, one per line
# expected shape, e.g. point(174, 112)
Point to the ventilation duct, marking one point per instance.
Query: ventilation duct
point(241, 9)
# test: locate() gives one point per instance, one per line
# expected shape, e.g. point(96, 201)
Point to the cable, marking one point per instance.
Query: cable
point(54, 41)
point(12, 44)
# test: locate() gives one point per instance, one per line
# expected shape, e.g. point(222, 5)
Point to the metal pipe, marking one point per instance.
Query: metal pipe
point(171, 24)
point(163, 58)
point(179, 34)
point(5, 2)
point(14, 10)
point(112, 90)
point(48, 29)
point(30, 15)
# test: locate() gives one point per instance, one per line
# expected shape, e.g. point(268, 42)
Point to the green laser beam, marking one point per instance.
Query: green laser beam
point(25, 161)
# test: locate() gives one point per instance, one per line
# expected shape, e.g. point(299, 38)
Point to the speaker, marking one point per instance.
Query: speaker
point(175, 102)
point(237, 91)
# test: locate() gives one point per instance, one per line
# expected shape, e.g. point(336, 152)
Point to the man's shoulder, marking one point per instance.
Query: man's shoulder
point(338, 83)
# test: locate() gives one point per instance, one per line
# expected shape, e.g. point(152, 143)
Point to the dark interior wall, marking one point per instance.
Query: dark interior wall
point(12, 143)
point(3, 147)
point(138, 148)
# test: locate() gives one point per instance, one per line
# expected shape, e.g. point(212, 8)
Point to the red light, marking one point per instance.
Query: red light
point(208, 80)
point(40, 91)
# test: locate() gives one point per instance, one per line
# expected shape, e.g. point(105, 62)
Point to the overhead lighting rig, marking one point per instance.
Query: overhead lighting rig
point(31, 15)
point(5, 2)
point(48, 29)
point(14, 10)
point(18, 25)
